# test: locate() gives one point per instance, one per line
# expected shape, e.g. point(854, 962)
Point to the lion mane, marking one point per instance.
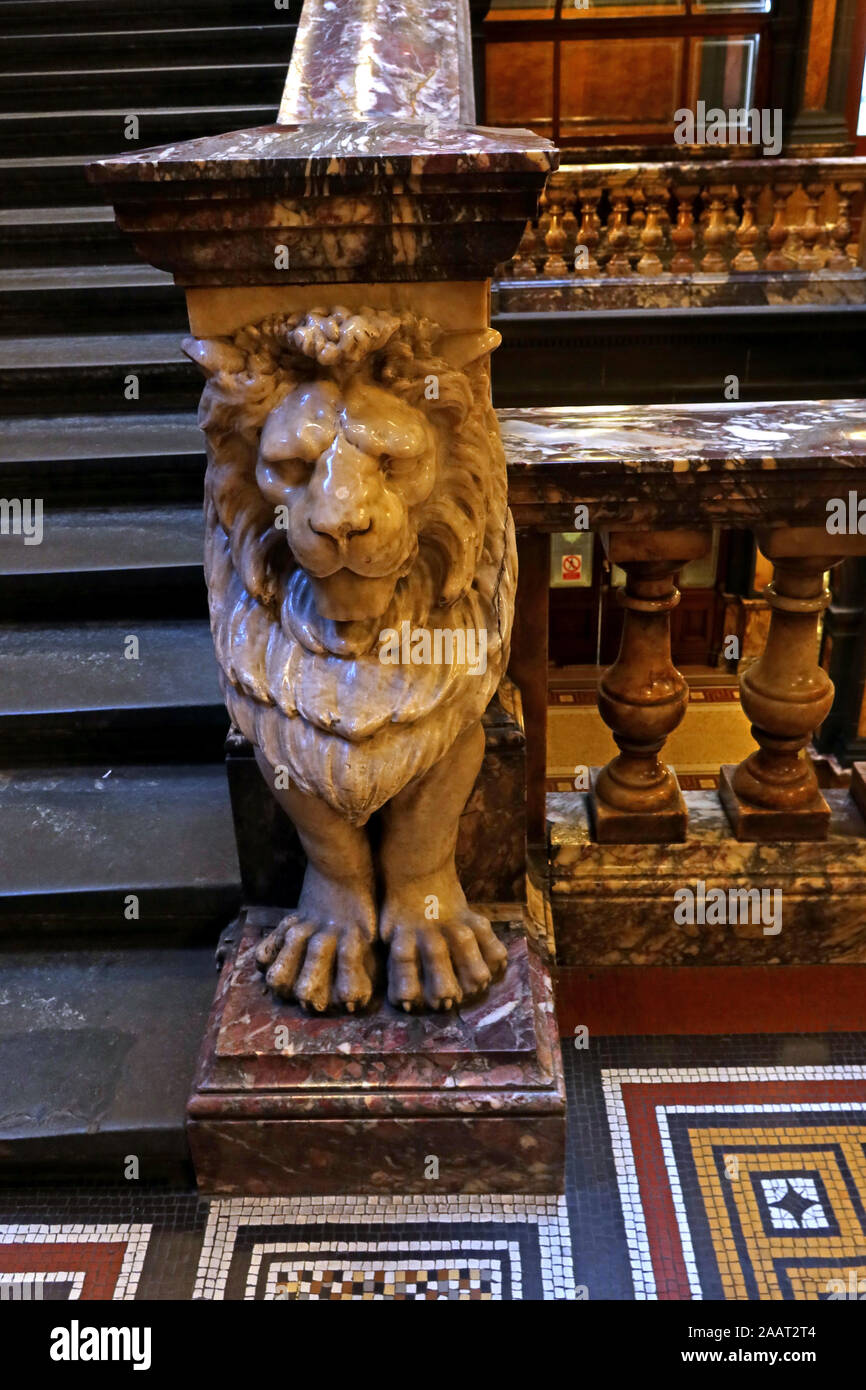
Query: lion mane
point(311, 692)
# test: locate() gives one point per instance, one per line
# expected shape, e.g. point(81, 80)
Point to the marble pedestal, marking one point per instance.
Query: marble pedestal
point(285, 1102)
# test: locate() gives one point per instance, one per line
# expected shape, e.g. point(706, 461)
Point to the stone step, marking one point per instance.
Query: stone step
point(92, 458)
point(54, 298)
point(79, 840)
point(154, 84)
point(92, 373)
point(87, 235)
point(43, 180)
point(117, 561)
point(65, 16)
point(88, 50)
point(130, 688)
point(93, 133)
point(99, 1047)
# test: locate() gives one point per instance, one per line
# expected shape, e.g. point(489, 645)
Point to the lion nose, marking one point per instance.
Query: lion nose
point(341, 493)
point(338, 530)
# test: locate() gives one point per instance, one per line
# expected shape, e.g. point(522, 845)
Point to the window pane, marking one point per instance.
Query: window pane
point(521, 9)
point(612, 9)
point(723, 71)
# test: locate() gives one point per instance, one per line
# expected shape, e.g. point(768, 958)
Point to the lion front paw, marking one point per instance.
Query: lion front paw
point(440, 963)
point(318, 964)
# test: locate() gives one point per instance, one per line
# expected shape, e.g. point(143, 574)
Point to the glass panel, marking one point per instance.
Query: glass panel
point(732, 6)
point(612, 9)
point(701, 574)
point(698, 574)
point(571, 560)
point(521, 9)
point(611, 85)
point(519, 83)
point(723, 72)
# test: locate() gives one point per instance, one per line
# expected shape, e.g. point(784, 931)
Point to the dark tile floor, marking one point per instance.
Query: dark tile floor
point(725, 1167)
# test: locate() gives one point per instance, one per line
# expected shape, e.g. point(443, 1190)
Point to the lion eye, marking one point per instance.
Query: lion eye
point(293, 471)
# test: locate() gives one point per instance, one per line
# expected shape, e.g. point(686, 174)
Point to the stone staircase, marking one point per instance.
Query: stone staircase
point(118, 865)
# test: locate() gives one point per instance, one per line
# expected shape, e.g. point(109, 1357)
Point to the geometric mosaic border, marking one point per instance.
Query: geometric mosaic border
point(90, 1256)
point(756, 1094)
point(452, 1256)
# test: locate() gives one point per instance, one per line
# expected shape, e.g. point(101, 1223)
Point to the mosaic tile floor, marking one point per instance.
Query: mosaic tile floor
point(698, 1168)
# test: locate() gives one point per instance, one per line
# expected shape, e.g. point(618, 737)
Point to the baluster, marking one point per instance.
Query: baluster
point(554, 266)
point(588, 234)
point(543, 220)
point(683, 234)
point(777, 260)
point(732, 221)
point(569, 221)
point(748, 232)
point(618, 234)
point(810, 230)
point(652, 233)
point(840, 232)
point(636, 799)
point(524, 264)
point(638, 221)
point(773, 794)
point(715, 232)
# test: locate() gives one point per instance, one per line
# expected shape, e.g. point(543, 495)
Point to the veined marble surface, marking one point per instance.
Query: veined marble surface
point(333, 148)
point(357, 58)
point(353, 201)
point(683, 438)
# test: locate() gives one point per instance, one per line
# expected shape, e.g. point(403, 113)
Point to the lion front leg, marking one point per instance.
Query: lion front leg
point(440, 951)
point(322, 953)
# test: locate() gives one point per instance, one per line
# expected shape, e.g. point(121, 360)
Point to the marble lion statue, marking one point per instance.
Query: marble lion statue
point(356, 487)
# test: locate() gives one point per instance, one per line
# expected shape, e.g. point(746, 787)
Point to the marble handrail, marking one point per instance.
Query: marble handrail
point(641, 467)
point(374, 59)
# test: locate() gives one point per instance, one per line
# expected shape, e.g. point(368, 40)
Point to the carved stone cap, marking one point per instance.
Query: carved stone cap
point(356, 201)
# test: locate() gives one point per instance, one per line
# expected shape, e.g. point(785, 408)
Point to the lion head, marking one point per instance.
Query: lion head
point(355, 481)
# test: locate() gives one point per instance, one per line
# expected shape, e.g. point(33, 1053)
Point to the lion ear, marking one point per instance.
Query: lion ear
point(214, 355)
point(459, 349)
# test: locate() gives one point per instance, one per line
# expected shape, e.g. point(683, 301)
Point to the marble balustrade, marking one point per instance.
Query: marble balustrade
point(723, 231)
point(654, 481)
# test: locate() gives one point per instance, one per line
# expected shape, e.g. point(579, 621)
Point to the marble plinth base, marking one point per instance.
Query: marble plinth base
point(491, 837)
point(614, 827)
point(615, 904)
point(697, 291)
point(757, 823)
point(289, 1103)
